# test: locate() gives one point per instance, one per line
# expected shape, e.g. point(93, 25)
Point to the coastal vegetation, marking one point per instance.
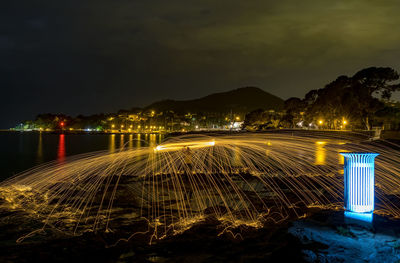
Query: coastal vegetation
point(362, 101)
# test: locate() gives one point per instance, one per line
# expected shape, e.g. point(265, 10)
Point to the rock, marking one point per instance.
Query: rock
point(330, 239)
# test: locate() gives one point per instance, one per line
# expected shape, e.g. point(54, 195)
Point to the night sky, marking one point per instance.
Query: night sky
point(100, 56)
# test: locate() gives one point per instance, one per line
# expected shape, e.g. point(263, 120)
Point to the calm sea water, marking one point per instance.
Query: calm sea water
point(21, 151)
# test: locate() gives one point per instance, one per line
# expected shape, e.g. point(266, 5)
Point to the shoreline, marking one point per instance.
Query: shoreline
point(390, 135)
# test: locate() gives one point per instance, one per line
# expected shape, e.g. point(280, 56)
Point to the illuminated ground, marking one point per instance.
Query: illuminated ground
point(328, 237)
point(235, 193)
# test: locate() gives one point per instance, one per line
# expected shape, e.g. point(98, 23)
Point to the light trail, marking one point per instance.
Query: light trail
point(185, 145)
point(240, 180)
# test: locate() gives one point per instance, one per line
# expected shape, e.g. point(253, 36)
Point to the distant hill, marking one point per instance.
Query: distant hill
point(238, 100)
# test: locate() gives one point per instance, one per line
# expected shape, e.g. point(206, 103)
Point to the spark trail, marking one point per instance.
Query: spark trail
point(244, 179)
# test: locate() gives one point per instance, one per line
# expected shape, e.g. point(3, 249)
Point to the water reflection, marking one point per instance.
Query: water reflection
point(39, 156)
point(61, 148)
point(153, 140)
point(111, 144)
point(320, 153)
point(130, 143)
point(138, 142)
point(121, 142)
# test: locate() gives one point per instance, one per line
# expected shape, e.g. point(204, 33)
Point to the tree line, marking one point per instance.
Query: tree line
point(360, 102)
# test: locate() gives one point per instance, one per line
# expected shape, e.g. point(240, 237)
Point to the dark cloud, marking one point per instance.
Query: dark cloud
point(93, 56)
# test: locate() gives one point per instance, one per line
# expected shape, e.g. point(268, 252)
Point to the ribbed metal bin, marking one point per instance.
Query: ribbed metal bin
point(359, 181)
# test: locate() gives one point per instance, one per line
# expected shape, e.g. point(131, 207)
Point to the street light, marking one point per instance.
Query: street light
point(320, 122)
point(112, 126)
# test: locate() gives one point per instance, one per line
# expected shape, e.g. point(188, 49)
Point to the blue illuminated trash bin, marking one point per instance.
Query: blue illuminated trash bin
point(359, 183)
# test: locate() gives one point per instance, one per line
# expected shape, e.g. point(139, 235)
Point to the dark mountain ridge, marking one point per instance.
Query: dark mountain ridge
point(239, 100)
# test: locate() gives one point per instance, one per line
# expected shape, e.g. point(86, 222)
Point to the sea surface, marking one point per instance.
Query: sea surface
point(23, 150)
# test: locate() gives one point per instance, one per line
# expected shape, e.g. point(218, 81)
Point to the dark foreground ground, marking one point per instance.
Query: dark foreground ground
point(324, 236)
point(201, 243)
